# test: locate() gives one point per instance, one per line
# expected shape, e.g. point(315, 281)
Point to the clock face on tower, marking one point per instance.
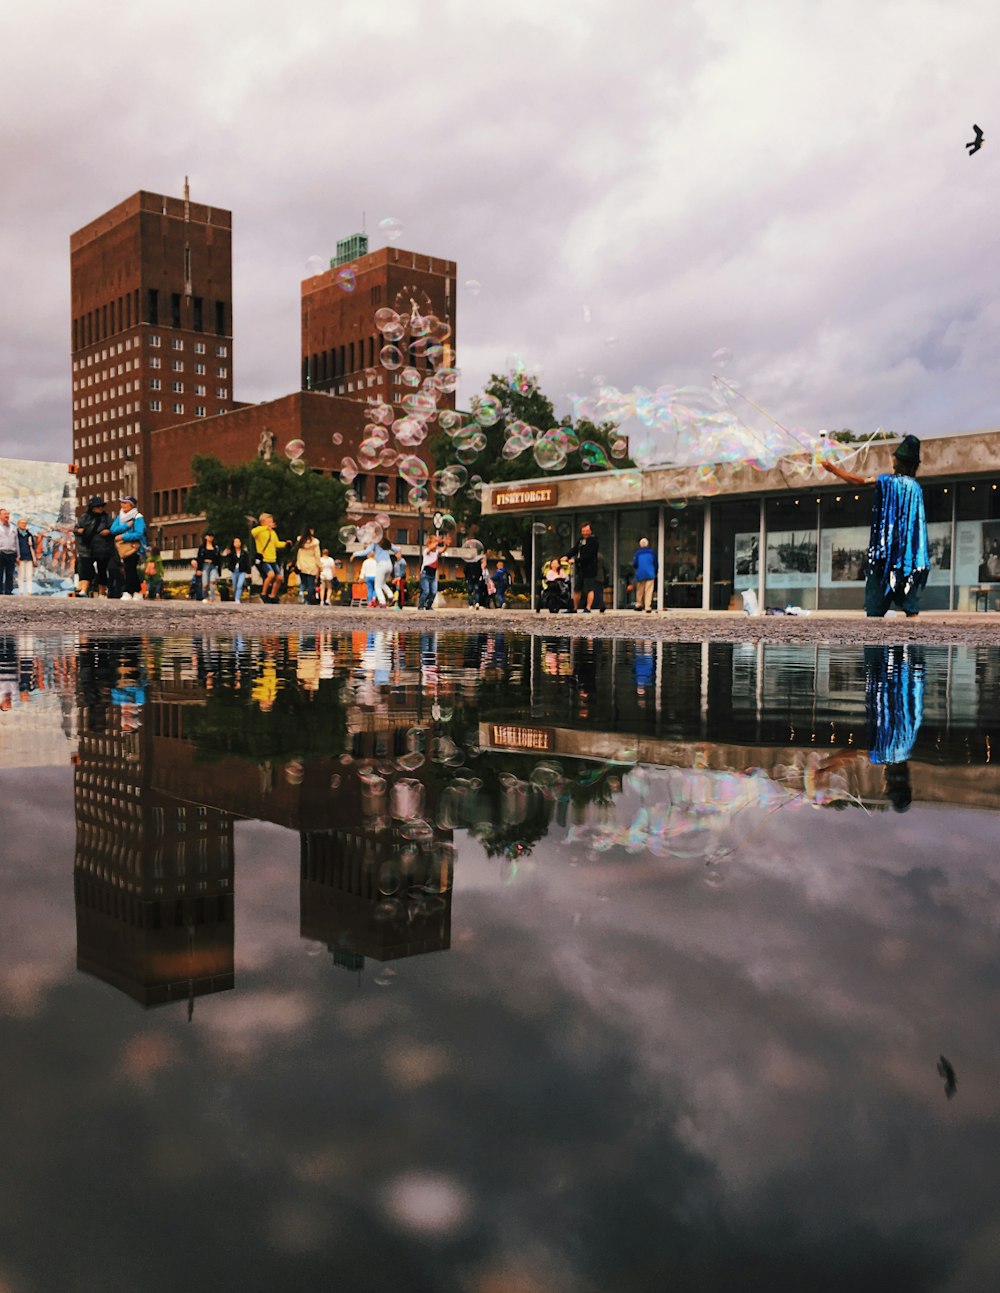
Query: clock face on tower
point(411, 303)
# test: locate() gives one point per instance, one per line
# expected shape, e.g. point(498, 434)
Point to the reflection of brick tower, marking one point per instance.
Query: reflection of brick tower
point(379, 884)
point(153, 876)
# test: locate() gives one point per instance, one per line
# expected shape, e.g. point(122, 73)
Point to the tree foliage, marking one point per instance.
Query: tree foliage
point(228, 496)
point(530, 405)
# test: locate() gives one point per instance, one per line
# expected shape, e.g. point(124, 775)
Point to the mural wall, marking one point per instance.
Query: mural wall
point(44, 493)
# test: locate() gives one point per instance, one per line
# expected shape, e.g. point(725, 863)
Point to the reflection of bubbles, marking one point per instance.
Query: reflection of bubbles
point(473, 286)
point(298, 467)
point(427, 1204)
point(335, 781)
point(295, 772)
point(388, 878)
point(390, 357)
point(406, 799)
point(389, 911)
point(390, 228)
point(385, 978)
point(345, 279)
point(295, 448)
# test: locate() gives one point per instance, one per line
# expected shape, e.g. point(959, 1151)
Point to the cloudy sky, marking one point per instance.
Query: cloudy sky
point(635, 186)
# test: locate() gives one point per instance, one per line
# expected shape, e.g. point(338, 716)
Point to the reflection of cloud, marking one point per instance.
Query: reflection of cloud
point(147, 1053)
point(428, 1204)
point(249, 1022)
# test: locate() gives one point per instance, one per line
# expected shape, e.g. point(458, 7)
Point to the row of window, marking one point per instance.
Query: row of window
point(326, 366)
point(177, 343)
point(193, 318)
point(104, 355)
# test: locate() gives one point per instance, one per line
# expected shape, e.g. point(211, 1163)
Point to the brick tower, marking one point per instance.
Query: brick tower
point(152, 333)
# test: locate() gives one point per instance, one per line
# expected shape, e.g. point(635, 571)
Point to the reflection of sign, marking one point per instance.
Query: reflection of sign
point(513, 737)
point(524, 496)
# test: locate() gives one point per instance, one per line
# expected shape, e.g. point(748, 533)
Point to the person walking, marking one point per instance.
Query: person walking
point(25, 558)
point(429, 573)
point(898, 562)
point(8, 553)
point(584, 553)
point(399, 581)
point(473, 570)
point(94, 548)
point(128, 530)
point(327, 574)
point(267, 546)
point(208, 565)
point(307, 563)
point(369, 569)
point(153, 570)
point(239, 565)
point(383, 552)
point(501, 582)
point(645, 567)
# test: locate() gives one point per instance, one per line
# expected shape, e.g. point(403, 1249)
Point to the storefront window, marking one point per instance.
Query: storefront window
point(683, 566)
point(845, 524)
point(643, 523)
point(792, 551)
point(938, 507)
point(977, 547)
point(735, 552)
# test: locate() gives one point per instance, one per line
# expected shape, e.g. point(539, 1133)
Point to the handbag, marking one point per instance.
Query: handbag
point(126, 547)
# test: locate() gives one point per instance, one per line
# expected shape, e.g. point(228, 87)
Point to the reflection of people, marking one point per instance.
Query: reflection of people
point(898, 561)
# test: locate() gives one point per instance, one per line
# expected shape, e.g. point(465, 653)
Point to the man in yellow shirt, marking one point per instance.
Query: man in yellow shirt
point(268, 544)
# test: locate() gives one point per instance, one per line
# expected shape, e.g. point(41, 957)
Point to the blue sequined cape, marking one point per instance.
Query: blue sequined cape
point(894, 702)
point(897, 548)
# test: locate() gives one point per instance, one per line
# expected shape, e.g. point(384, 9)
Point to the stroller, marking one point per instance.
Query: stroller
point(556, 596)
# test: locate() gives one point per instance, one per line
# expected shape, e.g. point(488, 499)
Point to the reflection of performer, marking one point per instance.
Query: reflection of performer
point(894, 710)
point(898, 561)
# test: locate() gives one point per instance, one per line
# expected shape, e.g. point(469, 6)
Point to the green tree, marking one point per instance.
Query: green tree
point(530, 405)
point(849, 437)
point(229, 495)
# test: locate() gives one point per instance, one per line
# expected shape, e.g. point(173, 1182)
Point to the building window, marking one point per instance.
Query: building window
point(200, 368)
point(177, 388)
point(154, 361)
point(199, 411)
point(360, 485)
point(199, 347)
point(402, 490)
point(177, 343)
point(199, 325)
point(220, 410)
point(178, 408)
point(199, 390)
point(222, 372)
point(177, 365)
point(220, 392)
point(220, 321)
point(222, 352)
point(173, 502)
point(153, 308)
point(154, 406)
point(175, 309)
point(381, 489)
point(156, 502)
point(154, 339)
point(401, 535)
point(154, 383)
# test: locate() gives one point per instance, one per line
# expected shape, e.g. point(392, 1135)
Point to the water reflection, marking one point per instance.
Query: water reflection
point(674, 988)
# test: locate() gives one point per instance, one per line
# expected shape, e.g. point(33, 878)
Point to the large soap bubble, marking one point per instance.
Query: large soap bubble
point(390, 228)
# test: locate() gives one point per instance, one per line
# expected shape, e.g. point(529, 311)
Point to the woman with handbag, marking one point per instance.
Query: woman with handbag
point(129, 532)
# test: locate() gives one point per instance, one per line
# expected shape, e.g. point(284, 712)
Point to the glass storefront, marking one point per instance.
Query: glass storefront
point(642, 523)
point(977, 546)
point(683, 565)
point(791, 555)
point(735, 552)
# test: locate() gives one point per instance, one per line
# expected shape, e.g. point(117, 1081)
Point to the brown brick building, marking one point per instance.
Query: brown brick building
point(152, 332)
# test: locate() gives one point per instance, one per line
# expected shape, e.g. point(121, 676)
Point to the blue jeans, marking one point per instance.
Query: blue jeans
point(239, 579)
point(428, 588)
point(308, 583)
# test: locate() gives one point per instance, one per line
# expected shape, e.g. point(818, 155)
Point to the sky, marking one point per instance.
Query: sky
point(635, 187)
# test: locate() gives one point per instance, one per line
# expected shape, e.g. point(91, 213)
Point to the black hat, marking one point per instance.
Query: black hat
point(908, 450)
point(96, 501)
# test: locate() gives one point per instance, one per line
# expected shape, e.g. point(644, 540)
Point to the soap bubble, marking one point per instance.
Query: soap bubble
point(593, 455)
point(371, 375)
point(409, 432)
point(410, 377)
point(449, 480)
point(448, 522)
point(473, 286)
point(295, 448)
point(390, 228)
point(611, 342)
point(348, 535)
point(449, 420)
point(413, 470)
point(446, 379)
point(619, 448)
point(390, 357)
point(721, 357)
point(298, 466)
point(345, 278)
point(337, 438)
point(417, 496)
point(315, 265)
point(381, 518)
point(348, 470)
point(539, 527)
point(388, 456)
point(548, 454)
point(379, 412)
point(371, 532)
point(487, 410)
point(385, 317)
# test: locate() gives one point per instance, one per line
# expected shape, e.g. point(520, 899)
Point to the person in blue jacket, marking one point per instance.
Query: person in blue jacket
point(645, 567)
point(128, 528)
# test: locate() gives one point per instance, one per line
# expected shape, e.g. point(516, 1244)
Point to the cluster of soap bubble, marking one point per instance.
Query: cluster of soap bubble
point(705, 426)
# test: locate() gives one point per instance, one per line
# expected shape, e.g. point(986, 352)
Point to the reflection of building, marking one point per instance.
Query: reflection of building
point(153, 876)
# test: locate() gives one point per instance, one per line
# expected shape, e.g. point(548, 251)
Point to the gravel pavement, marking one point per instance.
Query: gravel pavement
point(47, 614)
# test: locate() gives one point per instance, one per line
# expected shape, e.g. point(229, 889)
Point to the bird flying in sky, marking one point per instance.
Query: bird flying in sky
point(974, 145)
